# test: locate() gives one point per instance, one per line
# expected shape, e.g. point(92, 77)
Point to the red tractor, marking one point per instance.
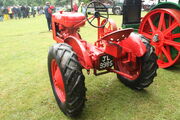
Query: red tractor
point(123, 52)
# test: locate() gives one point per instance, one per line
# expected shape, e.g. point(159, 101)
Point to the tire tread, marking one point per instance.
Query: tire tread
point(72, 76)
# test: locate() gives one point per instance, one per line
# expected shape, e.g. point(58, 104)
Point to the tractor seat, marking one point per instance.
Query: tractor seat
point(118, 35)
point(70, 19)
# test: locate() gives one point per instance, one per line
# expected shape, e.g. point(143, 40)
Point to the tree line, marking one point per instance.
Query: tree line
point(36, 2)
point(22, 2)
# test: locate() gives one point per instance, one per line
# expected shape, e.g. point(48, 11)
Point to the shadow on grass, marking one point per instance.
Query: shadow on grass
point(174, 69)
point(116, 99)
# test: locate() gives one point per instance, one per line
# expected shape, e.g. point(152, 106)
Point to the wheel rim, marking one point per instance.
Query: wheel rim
point(162, 27)
point(58, 81)
point(117, 11)
point(131, 68)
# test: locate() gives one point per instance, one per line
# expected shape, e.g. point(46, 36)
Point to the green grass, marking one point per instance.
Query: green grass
point(26, 92)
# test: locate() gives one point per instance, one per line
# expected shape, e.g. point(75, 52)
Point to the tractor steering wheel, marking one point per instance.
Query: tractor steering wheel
point(97, 8)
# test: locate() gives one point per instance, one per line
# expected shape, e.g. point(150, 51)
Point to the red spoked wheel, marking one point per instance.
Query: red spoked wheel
point(142, 71)
point(162, 27)
point(58, 81)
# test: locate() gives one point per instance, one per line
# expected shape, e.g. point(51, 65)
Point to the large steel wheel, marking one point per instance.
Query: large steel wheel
point(162, 27)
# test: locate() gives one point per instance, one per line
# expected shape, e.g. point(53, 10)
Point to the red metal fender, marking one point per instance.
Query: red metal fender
point(135, 44)
point(79, 47)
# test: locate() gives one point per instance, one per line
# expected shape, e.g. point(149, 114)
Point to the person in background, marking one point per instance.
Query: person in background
point(48, 15)
point(19, 12)
point(27, 9)
point(23, 11)
point(5, 13)
point(1, 14)
point(82, 8)
point(30, 11)
point(51, 9)
point(15, 12)
point(38, 9)
point(41, 10)
point(33, 11)
point(75, 7)
point(10, 12)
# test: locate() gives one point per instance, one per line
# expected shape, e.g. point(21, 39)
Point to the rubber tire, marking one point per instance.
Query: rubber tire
point(73, 79)
point(148, 69)
point(115, 11)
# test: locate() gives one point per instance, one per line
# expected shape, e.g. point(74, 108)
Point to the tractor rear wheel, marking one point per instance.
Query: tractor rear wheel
point(143, 71)
point(67, 79)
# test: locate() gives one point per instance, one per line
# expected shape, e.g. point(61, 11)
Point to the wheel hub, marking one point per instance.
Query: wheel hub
point(156, 38)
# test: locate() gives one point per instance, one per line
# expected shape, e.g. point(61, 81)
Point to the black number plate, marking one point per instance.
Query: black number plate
point(106, 61)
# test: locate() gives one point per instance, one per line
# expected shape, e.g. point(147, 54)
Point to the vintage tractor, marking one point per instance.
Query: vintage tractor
point(123, 52)
point(161, 26)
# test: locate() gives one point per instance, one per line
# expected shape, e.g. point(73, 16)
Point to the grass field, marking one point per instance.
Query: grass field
point(26, 92)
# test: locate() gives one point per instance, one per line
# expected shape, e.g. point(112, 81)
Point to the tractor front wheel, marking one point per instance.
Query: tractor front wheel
point(67, 79)
point(142, 72)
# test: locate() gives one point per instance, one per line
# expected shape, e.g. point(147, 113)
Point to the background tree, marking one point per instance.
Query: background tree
point(24, 2)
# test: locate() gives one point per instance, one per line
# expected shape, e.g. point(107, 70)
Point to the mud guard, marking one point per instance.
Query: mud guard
point(78, 47)
point(135, 44)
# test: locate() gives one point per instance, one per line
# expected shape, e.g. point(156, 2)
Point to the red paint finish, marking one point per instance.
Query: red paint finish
point(135, 45)
point(58, 81)
point(113, 50)
point(132, 69)
point(69, 19)
point(79, 47)
point(108, 28)
point(158, 26)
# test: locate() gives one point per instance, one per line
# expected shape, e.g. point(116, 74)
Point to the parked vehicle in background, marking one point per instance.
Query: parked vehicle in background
point(117, 7)
point(149, 4)
point(146, 6)
point(113, 6)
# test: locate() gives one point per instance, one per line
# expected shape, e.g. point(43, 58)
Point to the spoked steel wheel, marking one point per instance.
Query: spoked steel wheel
point(162, 27)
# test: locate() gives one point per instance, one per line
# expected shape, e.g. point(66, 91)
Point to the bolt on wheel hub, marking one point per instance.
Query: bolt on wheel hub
point(155, 38)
